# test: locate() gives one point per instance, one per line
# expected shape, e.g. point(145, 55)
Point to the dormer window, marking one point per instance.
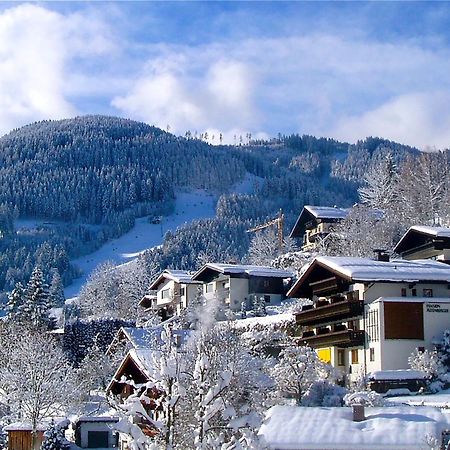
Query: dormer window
point(428, 292)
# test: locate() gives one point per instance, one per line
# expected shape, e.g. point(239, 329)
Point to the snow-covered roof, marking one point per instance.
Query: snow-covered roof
point(432, 231)
point(142, 337)
point(427, 231)
point(291, 427)
point(244, 269)
point(98, 419)
point(327, 212)
point(179, 276)
point(405, 374)
point(25, 426)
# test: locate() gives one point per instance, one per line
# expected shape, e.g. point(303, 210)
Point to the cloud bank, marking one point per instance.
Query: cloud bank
point(335, 82)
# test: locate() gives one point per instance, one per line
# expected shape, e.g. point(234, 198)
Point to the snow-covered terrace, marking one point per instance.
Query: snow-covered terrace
point(392, 428)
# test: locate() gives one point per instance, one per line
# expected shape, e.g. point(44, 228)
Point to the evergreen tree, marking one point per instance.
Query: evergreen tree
point(54, 437)
point(16, 299)
point(56, 290)
point(36, 306)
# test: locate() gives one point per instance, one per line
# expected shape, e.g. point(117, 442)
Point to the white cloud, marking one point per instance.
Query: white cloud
point(419, 119)
point(317, 83)
point(36, 50)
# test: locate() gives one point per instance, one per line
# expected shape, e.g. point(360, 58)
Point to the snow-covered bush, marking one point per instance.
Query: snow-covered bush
point(324, 393)
point(3, 438)
point(430, 363)
point(54, 438)
point(366, 398)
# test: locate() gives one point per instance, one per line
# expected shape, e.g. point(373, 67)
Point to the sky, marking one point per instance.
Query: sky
point(343, 70)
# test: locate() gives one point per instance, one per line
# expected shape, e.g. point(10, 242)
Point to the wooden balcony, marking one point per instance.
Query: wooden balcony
point(341, 310)
point(345, 338)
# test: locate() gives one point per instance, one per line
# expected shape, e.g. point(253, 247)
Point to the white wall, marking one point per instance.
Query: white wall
point(85, 427)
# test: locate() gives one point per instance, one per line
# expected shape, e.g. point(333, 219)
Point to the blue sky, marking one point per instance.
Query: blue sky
point(344, 70)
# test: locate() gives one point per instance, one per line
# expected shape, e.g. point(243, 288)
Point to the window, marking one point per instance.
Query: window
point(372, 325)
point(414, 292)
point(372, 354)
point(354, 356)
point(165, 293)
point(353, 325)
point(209, 288)
point(421, 349)
point(341, 357)
point(267, 298)
point(182, 291)
point(428, 292)
point(403, 292)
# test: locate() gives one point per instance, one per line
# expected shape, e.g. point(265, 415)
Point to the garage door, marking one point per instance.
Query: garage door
point(97, 439)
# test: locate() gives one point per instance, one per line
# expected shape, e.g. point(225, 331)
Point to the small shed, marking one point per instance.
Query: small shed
point(20, 436)
point(96, 432)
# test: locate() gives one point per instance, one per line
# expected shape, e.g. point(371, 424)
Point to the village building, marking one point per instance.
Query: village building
point(424, 242)
point(315, 223)
point(20, 436)
point(367, 316)
point(96, 432)
point(339, 428)
point(175, 289)
point(235, 284)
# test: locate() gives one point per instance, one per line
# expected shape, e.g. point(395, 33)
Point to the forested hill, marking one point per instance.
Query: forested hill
point(91, 176)
point(89, 168)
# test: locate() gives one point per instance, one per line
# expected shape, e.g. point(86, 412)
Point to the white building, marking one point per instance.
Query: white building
point(175, 289)
point(234, 284)
point(367, 315)
point(393, 428)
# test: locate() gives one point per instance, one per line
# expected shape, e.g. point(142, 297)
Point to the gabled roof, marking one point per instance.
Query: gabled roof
point(179, 276)
point(310, 212)
point(242, 269)
point(367, 270)
point(423, 234)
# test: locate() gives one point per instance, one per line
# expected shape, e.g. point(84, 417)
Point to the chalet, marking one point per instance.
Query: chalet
point(316, 222)
point(174, 290)
point(422, 242)
point(233, 284)
point(367, 315)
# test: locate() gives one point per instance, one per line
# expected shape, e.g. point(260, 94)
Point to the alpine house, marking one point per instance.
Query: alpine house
point(368, 316)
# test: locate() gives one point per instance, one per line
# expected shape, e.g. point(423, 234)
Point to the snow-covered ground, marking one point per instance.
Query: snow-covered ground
point(439, 400)
point(188, 207)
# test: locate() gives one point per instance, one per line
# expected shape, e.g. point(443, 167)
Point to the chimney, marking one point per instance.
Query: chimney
point(358, 413)
point(381, 255)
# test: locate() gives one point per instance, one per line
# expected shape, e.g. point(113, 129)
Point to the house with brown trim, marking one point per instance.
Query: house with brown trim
point(424, 242)
point(367, 316)
point(174, 290)
point(234, 284)
point(315, 223)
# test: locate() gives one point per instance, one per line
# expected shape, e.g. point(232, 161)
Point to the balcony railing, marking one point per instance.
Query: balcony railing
point(340, 310)
point(345, 338)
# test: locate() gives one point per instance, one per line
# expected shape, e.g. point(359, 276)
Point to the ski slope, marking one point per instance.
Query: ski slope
point(188, 207)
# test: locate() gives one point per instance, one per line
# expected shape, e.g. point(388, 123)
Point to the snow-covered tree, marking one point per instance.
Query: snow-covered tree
point(36, 379)
point(54, 438)
point(16, 299)
point(35, 308)
point(3, 438)
point(380, 190)
point(56, 290)
point(297, 370)
point(264, 247)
